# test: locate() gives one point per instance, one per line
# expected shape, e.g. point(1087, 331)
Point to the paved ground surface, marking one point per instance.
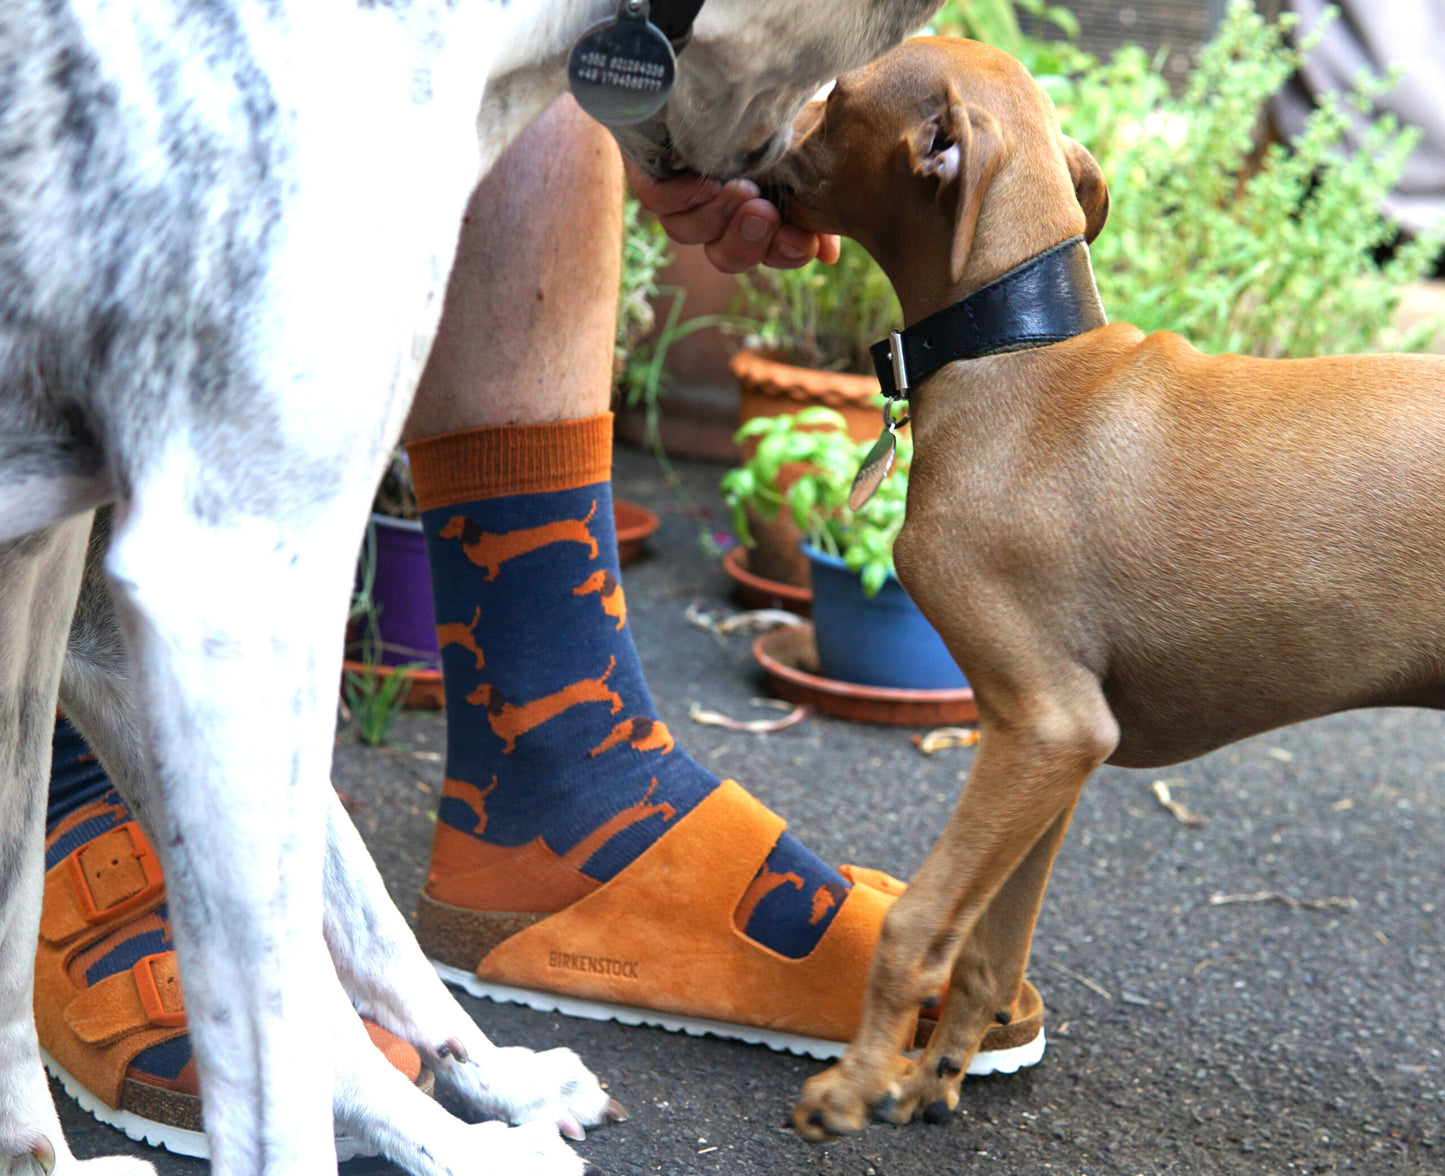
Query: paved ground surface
point(1186, 1037)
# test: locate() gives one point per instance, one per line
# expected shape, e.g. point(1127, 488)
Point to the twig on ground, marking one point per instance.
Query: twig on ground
point(1183, 814)
point(941, 738)
point(756, 621)
point(1310, 904)
point(1084, 980)
point(750, 726)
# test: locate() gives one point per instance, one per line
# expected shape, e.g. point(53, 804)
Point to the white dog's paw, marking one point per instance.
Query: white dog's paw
point(41, 1160)
point(552, 1088)
point(533, 1149)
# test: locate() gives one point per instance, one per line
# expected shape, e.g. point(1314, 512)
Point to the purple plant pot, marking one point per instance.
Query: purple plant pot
point(401, 591)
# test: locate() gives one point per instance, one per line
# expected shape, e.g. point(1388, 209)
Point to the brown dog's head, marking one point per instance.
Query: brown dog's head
point(944, 159)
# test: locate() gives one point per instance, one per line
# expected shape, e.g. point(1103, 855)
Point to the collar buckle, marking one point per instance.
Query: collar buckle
point(900, 365)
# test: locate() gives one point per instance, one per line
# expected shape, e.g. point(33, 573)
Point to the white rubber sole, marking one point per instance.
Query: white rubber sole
point(999, 1061)
point(174, 1139)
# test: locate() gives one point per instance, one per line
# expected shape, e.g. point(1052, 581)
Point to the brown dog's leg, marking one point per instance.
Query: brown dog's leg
point(983, 988)
point(1023, 785)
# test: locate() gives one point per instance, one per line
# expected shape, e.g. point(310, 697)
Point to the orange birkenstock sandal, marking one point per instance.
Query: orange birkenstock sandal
point(109, 1009)
point(650, 947)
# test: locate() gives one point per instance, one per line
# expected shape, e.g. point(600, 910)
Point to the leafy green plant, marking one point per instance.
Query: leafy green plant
point(806, 462)
point(1044, 40)
point(821, 316)
point(1271, 252)
point(641, 345)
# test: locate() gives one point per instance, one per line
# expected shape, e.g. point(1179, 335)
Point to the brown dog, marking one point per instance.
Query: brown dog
point(1136, 552)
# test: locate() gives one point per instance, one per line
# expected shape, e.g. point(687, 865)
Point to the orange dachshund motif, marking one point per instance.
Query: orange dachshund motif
point(473, 797)
point(641, 733)
point(456, 633)
point(605, 584)
point(509, 721)
point(491, 550)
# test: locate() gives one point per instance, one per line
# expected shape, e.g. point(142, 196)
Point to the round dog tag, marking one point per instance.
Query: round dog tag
point(622, 70)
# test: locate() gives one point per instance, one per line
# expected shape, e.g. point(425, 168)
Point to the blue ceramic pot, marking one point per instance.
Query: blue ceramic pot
point(883, 641)
point(402, 592)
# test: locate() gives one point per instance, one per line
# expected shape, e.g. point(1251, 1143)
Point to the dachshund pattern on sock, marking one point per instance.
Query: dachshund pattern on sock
point(510, 720)
point(490, 551)
point(559, 771)
point(609, 591)
point(640, 734)
point(456, 633)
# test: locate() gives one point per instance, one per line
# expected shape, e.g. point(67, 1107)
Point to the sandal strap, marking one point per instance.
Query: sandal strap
point(109, 877)
point(648, 939)
point(146, 995)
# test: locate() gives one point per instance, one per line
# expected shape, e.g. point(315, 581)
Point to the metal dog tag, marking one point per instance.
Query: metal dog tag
point(879, 462)
point(621, 71)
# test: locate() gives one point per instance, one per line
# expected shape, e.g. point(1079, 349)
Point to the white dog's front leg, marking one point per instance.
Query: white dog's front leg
point(376, 1104)
point(235, 635)
point(38, 577)
point(381, 966)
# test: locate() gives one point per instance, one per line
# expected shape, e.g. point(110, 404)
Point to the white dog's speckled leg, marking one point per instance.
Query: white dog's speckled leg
point(390, 979)
point(38, 578)
point(376, 1104)
point(236, 652)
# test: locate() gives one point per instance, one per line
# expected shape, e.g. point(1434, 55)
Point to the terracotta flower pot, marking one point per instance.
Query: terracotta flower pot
point(770, 387)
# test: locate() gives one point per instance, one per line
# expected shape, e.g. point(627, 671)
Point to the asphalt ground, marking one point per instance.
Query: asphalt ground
point(1298, 1033)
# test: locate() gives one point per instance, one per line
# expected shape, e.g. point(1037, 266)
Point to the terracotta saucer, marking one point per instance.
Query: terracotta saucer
point(790, 659)
point(425, 692)
point(634, 525)
point(756, 592)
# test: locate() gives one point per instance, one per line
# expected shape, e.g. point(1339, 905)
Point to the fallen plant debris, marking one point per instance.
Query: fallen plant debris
point(1084, 980)
point(1309, 904)
point(707, 718)
point(1182, 813)
point(724, 624)
point(942, 738)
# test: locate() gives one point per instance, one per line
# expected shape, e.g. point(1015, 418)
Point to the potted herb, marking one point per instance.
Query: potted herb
point(808, 339)
point(867, 629)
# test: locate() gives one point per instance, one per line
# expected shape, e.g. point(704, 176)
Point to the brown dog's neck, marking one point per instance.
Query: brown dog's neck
point(1046, 299)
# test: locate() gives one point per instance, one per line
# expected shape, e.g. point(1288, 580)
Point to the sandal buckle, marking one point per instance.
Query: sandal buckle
point(150, 865)
point(148, 985)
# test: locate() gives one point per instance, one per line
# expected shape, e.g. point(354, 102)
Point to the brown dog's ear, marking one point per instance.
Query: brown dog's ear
point(960, 148)
point(1089, 187)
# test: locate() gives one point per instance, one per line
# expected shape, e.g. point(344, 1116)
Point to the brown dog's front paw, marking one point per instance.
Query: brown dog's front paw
point(828, 1109)
point(836, 1102)
point(928, 1089)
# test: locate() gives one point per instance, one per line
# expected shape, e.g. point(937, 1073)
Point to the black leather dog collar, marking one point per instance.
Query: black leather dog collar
point(1049, 298)
point(675, 19)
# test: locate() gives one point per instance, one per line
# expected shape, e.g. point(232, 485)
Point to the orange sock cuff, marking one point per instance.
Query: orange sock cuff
point(502, 460)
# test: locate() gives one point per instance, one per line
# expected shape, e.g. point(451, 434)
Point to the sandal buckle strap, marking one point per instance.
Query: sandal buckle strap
point(158, 982)
point(144, 997)
point(94, 909)
point(111, 877)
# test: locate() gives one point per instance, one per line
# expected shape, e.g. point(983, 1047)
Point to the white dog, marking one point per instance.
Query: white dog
point(225, 229)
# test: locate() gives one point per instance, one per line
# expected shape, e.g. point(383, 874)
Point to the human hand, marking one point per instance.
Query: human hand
point(737, 228)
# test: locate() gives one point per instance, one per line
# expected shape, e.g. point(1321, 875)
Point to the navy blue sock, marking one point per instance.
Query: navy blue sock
point(559, 772)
